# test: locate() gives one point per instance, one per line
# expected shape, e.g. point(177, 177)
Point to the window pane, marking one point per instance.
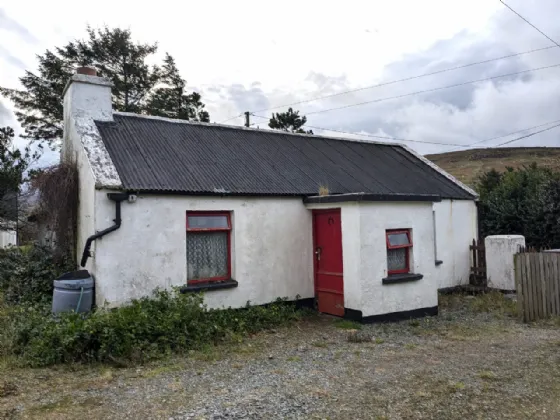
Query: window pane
point(396, 259)
point(208, 222)
point(207, 255)
point(398, 239)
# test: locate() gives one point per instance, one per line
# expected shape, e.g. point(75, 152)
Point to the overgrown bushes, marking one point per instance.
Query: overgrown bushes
point(525, 201)
point(27, 273)
point(147, 328)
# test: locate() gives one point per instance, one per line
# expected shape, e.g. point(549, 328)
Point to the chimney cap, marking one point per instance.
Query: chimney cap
point(89, 71)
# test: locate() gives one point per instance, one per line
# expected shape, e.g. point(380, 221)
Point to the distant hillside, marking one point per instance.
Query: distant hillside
point(467, 165)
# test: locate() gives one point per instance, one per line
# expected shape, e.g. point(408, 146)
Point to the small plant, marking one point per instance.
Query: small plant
point(323, 190)
point(379, 340)
point(457, 386)
point(410, 346)
point(320, 344)
point(294, 359)
point(487, 374)
point(357, 336)
point(345, 324)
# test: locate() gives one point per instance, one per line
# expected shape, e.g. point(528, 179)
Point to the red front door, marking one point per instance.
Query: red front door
point(329, 286)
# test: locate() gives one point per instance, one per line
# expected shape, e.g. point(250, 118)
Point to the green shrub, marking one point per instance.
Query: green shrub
point(147, 328)
point(27, 273)
point(525, 201)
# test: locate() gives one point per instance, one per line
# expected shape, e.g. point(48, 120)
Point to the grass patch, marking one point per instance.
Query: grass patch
point(345, 324)
point(379, 340)
point(357, 336)
point(456, 386)
point(410, 346)
point(494, 302)
point(320, 344)
point(294, 359)
point(487, 375)
point(160, 370)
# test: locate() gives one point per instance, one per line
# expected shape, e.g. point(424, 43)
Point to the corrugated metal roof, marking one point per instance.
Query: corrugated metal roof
point(160, 155)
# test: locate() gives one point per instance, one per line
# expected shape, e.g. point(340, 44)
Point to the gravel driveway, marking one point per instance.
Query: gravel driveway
point(463, 364)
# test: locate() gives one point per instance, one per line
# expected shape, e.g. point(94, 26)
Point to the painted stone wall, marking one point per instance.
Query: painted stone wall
point(500, 268)
point(271, 248)
point(455, 227)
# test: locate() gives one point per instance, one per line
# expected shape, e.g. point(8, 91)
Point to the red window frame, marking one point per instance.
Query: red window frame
point(406, 246)
point(227, 229)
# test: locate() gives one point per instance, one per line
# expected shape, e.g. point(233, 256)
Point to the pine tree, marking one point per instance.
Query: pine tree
point(289, 121)
point(169, 98)
point(116, 57)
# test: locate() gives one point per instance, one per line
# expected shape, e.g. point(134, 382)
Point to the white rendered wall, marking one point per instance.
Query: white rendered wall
point(500, 269)
point(364, 254)
point(87, 98)
point(375, 219)
point(7, 238)
point(86, 184)
point(456, 227)
point(271, 248)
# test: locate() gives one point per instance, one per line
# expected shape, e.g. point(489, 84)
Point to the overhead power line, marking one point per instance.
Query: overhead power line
point(406, 79)
point(232, 118)
point(541, 32)
point(437, 143)
point(370, 135)
point(511, 133)
point(527, 135)
point(431, 90)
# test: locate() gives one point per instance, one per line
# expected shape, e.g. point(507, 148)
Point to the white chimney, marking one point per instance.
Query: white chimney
point(86, 97)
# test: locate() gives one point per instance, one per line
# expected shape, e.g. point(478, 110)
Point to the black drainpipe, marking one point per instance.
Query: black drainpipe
point(117, 198)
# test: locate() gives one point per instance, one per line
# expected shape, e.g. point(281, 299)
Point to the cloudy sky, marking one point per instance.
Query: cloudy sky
point(256, 55)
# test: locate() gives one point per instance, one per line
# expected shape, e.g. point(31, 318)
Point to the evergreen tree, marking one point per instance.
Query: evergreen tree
point(169, 98)
point(116, 57)
point(289, 121)
point(13, 164)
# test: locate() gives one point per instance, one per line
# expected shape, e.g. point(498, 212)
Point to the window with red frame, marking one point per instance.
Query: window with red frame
point(398, 251)
point(208, 246)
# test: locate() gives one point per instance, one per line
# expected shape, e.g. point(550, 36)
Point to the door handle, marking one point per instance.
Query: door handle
point(318, 253)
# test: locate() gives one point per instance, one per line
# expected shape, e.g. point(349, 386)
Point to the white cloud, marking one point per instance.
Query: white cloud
point(251, 55)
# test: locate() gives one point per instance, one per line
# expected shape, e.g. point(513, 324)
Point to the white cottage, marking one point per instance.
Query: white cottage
point(235, 212)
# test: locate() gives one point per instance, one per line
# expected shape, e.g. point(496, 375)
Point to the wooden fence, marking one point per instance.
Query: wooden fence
point(537, 280)
point(478, 263)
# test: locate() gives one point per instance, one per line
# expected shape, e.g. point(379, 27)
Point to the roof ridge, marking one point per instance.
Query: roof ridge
point(257, 130)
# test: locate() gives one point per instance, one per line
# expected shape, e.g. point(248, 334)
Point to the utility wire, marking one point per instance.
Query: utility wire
point(232, 118)
point(431, 142)
point(527, 135)
point(373, 135)
point(541, 32)
point(432, 90)
point(509, 134)
point(407, 78)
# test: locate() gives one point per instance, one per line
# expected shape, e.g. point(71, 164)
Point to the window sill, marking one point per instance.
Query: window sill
point(439, 262)
point(211, 285)
point(401, 278)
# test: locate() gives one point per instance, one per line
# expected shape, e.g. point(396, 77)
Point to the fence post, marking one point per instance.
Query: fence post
point(517, 259)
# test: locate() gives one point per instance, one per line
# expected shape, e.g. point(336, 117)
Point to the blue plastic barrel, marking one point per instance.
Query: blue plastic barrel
point(73, 292)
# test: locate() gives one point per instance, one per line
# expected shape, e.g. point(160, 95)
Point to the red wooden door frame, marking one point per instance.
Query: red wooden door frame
point(333, 301)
